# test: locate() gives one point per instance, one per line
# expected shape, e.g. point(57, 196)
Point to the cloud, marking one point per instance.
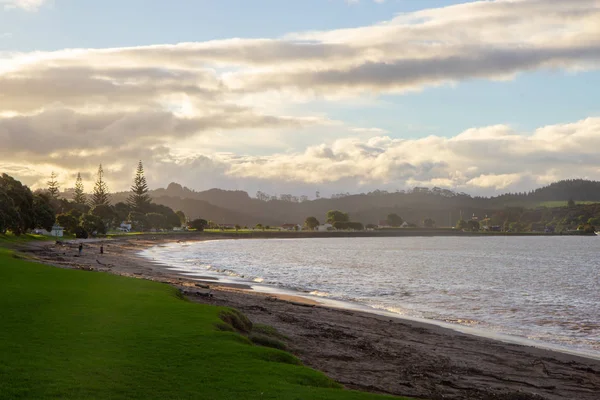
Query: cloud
point(495, 157)
point(27, 5)
point(230, 103)
point(410, 52)
point(485, 160)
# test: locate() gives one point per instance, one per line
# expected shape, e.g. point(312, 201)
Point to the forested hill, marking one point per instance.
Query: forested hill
point(444, 206)
point(574, 189)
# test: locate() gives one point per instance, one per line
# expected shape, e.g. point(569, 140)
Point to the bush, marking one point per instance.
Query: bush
point(268, 331)
point(267, 341)
point(280, 357)
point(236, 319)
point(80, 233)
point(223, 327)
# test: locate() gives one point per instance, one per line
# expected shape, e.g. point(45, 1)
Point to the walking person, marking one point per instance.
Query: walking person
point(101, 249)
point(80, 248)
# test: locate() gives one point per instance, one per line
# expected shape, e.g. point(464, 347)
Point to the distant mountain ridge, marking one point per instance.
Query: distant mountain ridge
point(442, 205)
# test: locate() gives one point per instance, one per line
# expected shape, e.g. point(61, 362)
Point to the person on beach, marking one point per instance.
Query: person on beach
point(101, 249)
point(80, 248)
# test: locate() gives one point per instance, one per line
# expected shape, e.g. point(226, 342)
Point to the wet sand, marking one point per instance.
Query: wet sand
point(361, 350)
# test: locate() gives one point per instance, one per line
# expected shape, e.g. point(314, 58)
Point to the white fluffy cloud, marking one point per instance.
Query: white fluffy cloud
point(28, 5)
point(494, 157)
point(174, 104)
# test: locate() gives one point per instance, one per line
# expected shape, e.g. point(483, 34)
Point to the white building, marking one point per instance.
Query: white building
point(324, 227)
point(57, 231)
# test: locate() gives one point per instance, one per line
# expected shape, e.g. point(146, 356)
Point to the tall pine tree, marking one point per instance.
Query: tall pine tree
point(53, 188)
point(100, 195)
point(78, 194)
point(139, 199)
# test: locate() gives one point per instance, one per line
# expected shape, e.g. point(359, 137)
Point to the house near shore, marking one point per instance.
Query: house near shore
point(384, 224)
point(56, 231)
point(325, 228)
point(291, 227)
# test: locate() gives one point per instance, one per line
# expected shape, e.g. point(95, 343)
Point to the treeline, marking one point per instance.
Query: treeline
point(575, 189)
point(22, 210)
point(97, 215)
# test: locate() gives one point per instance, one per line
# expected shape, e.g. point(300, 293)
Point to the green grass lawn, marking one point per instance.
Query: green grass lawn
point(9, 239)
point(69, 334)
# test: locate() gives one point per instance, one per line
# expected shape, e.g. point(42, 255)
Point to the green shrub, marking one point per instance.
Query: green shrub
point(267, 341)
point(280, 357)
point(268, 331)
point(223, 327)
point(236, 319)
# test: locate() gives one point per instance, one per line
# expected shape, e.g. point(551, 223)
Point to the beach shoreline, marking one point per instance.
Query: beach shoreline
point(362, 350)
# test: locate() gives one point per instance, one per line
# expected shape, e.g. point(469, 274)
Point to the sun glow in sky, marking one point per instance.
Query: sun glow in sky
point(298, 96)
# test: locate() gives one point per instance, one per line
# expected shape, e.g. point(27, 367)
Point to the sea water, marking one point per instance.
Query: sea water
point(546, 289)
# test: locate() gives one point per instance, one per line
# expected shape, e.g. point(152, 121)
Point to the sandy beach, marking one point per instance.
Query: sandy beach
point(361, 350)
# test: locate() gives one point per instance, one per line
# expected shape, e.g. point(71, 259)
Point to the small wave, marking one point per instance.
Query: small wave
point(460, 321)
point(319, 294)
point(395, 310)
point(258, 280)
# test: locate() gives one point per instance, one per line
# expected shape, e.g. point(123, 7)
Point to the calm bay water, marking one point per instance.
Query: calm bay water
point(542, 288)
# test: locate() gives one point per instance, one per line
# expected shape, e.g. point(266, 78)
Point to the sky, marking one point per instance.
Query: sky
point(293, 96)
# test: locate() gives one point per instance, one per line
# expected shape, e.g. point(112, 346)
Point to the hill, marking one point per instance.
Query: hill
point(442, 205)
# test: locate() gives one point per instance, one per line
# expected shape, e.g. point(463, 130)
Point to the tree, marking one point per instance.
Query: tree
point(68, 221)
point(172, 219)
point(92, 224)
point(570, 203)
point(139, 199)
point(79, 194)
point(473, 225)
point(586, 228)
point(337, 216)
point(428, 223)
point(121, 211)
point(100, 195)
point(138, 220)
point(8, 212)
point(199, 224)
point(106, 213)
point(461, 224)
point(311, 223)
point(355, 226)
point(594, 221)
point(182, 218)
point(156, 220)
point(259, 226)
point(394, 220)
point(53, 188)
point(22, 209)
point(262, 196)
point(43, 213)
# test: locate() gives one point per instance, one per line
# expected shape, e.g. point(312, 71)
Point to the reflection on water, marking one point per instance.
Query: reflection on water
point(542, 288)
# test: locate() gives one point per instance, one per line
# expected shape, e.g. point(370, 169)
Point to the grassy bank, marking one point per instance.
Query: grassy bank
point(72, 334)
